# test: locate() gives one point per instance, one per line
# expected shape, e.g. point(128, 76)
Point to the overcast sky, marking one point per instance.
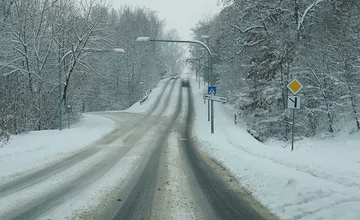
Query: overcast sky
point(178, 14)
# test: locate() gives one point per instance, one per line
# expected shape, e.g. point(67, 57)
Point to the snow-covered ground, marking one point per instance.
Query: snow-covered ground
point(320, 179)
point(90, 193)
point(90, 202)
point(145, 106)
point(37, 148)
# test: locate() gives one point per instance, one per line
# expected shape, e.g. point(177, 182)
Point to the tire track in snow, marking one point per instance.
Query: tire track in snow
point(48, 201)
point(139, 193)
point(42, 174)
point(173, 200)
point(215, 197)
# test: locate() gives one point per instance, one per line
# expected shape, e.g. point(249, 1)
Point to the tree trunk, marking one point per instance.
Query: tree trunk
point(355, 112)
point(331, 130)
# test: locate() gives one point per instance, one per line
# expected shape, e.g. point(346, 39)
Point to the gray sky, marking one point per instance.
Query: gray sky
point(178, 14)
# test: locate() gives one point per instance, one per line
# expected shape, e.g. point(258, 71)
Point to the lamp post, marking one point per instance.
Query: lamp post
point(148, 39)
point(207, 38)
point(83, 50)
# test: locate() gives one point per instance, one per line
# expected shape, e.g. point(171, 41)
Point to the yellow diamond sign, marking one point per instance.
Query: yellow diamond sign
point(295, 86)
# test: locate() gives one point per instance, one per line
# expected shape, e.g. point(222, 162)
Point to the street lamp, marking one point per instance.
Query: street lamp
point(85, 50)
point(148, 39)
point(207, 38)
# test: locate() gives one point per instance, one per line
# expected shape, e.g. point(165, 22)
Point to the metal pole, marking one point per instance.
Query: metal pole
point(212, 116)
point(209, 60)
point(293, 130)
point(208, 110)
point(208, 79)
point(199, 81)
point(60, 109)
point(68, 120)
point(212, 81)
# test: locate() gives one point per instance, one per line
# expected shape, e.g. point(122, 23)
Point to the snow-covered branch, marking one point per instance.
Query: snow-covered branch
point(248, 29)
point(307, 10)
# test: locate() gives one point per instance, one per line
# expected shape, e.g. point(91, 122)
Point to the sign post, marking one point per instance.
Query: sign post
point(211, 91)
point(293, 103)
point(208, 110)
point(215, 98)
point(211, 96)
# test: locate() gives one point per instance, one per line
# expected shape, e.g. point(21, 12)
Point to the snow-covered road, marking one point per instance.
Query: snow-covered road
point(158, 160)
point(55, 185)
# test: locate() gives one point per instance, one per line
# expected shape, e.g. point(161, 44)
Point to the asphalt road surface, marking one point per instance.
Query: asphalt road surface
point(173, 179)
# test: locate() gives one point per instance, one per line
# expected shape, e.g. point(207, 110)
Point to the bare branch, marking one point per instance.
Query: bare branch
point(248, 29)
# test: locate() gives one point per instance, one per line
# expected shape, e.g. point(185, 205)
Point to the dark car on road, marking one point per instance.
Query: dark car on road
point(185, 83)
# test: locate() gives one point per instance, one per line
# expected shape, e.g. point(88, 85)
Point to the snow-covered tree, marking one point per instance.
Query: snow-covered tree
point(261, 45)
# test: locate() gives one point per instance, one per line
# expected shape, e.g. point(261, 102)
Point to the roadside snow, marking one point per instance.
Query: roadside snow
point(145, 106)
point(319, 180)
point(37, 148)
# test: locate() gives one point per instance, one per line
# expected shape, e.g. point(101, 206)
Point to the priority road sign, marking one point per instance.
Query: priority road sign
point(212, 90)
point(295, 86)
point(293, 102)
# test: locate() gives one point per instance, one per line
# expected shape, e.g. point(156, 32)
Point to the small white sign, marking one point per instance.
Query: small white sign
point(293, 102)
point(215, 98)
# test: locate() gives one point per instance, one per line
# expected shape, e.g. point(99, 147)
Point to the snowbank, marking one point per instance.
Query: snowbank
point(146, 105)
point(319, 180)
point(34, 149)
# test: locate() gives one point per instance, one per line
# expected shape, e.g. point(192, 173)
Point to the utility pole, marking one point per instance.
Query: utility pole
point(209, 112)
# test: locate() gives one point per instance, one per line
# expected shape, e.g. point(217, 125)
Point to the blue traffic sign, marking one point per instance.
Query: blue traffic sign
point(212, 90)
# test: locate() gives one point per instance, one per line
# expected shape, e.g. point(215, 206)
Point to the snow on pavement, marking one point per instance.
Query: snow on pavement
point(175, 200)
point(92, 201)
point(37, 148)
point(309, 183)
point(173, 99)
point(11, 203)
point(100, 194)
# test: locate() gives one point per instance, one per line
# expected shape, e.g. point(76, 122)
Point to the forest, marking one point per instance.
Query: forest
point(57, 55)
point(259, 46)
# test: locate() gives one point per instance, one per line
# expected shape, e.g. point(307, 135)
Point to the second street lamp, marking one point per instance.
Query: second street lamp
point(82, 50)
point(209, 81)
point(148, 39)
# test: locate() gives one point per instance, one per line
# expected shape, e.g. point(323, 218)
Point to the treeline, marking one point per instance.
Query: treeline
point(261, 45)
point(58, 53)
